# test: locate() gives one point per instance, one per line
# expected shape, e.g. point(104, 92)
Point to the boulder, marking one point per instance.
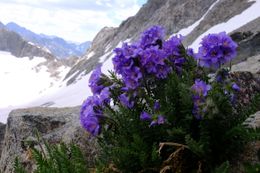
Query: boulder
point(55, 125)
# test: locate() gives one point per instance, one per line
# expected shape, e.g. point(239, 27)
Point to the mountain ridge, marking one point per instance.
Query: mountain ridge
point(58, 46)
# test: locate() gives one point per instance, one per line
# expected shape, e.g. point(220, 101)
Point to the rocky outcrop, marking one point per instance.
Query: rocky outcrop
point(17, 46)
point(70, 61)
point(54, 124)
point(252, 65)
point(248, 45)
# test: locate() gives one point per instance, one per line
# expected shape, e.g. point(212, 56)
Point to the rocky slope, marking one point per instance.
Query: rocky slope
point(56, 45)
point(173, 15)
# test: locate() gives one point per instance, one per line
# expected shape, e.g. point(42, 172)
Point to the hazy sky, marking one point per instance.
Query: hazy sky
point(73, 20)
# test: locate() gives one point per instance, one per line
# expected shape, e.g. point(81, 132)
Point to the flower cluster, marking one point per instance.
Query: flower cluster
point(92, 109)
point(150, 57)
point(200, 89)
point(152, 37)
point(95, 81)
point(141, 65)
point(216, 49)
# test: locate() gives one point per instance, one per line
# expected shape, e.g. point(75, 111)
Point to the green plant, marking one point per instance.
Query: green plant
point(161, 112)
point(58, 158)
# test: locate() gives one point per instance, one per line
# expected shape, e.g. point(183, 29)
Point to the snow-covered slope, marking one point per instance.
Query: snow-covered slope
point(23, 80)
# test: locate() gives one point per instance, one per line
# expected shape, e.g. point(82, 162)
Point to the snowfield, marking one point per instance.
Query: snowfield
point(23, 80)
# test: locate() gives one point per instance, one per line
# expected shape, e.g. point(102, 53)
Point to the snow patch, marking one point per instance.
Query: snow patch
point(92, 53)
point(107, 47)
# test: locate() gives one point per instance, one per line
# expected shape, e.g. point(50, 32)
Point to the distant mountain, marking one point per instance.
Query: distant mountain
point(17, 46)
point(56, 45)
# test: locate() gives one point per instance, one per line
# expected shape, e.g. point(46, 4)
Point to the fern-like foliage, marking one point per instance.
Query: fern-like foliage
point(58, 158)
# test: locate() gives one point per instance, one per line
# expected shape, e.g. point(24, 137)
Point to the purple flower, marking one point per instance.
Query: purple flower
point(216, 49)
point(95, 81)
point(191, 53)
point(125, 65)
point(151, 37)
point(200, 88)
point(105, 95)
point(153, 61)
point(91, 124)
point(132, 78)
point(145, 116)
point(235, 87)
point(90, 113)
point(124, 58)
point(160, 120)
point(172, 48)
point(126, 101)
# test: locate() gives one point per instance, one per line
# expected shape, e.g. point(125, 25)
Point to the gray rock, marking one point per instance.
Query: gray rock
point(252, 65)
point(54, 124)
point(248, 47)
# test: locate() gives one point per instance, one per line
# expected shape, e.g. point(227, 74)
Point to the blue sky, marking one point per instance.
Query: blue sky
point(76, 21)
